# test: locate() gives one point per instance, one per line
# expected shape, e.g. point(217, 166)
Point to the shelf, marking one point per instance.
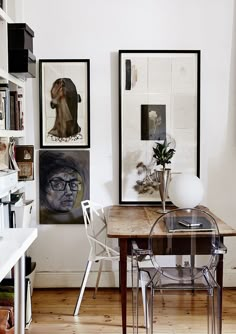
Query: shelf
point(4, 16)
point(20, 185)
point(13, 189)
point(4, 75)
point(12, 133)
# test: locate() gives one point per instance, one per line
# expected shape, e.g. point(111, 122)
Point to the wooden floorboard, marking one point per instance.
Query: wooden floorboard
point(179, 314)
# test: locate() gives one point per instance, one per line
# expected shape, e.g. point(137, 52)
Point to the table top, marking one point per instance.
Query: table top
point(13, 244)
point(136, 222)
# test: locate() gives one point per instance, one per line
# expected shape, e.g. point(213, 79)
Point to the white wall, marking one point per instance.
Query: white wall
point(97, 30)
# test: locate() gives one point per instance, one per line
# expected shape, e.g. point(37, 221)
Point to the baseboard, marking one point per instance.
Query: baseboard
point(109, 279)
point(229, 278)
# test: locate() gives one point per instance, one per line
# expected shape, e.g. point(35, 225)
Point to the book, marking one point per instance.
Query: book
point(2, 110)
point(188, 224)
point(5, 95)
point(20, 109)
point(4, 157)
point(12, 156)
point(7, 297)
point(14, 114)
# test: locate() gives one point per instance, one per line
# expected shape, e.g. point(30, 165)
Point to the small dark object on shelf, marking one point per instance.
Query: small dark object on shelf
point(20, 36)
point(22, 63)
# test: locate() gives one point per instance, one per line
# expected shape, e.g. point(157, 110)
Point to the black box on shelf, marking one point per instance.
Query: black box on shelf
point(20, 36)
point(22, 63)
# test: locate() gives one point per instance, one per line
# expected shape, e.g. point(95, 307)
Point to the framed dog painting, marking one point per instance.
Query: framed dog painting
point(64, 88)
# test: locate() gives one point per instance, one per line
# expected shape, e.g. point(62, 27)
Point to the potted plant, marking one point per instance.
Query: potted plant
point(163, 153)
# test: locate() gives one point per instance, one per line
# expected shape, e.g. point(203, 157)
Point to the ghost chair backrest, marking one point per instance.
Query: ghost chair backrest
point(192, 243)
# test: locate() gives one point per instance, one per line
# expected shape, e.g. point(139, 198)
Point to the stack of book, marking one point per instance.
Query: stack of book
point(11, 108)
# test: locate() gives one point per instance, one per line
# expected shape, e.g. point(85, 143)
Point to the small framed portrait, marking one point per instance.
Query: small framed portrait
point(64, 89)
point(159, 101)
point(25, 162)
point(64, 184)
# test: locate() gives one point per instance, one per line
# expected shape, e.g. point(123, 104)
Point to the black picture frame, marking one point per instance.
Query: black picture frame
point(163, 83)
point(63, 168)
point(64, 97)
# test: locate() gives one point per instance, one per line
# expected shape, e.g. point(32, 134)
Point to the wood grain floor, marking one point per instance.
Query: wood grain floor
point(53, 313)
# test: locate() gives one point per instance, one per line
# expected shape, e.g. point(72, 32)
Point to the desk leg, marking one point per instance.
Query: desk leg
point(219, 278)
point(19, 296)
point(123, 281)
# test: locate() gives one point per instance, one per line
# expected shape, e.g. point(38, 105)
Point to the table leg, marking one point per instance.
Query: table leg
point(123, 281)
point(19, 296)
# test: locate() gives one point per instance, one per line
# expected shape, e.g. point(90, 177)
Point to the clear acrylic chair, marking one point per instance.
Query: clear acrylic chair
point(95, 227)
point(186, 260)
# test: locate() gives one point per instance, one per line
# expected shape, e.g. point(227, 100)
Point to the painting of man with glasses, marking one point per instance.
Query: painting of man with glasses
point(64, 183)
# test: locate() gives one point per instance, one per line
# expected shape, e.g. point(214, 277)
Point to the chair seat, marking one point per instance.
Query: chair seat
point(167, 275)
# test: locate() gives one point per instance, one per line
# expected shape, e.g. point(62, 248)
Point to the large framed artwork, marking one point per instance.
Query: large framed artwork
point(64, 184)
point(159, 100)
point(64, 90)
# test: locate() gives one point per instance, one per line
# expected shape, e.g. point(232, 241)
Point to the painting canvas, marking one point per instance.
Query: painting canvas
point(64, 103)
point(159, 99)
point(64, 184)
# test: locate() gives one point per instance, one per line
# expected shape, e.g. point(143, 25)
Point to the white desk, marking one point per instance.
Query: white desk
point(13, 246)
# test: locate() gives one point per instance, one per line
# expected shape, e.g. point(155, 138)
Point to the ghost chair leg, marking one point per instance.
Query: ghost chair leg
point(149, 306)
point(82, 288)
point(145, 309)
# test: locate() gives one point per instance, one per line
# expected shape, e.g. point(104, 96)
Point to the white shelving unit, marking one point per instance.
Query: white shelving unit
point(12, 12)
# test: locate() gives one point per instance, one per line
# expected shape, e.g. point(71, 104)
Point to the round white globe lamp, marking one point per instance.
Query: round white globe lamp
point(185, 190)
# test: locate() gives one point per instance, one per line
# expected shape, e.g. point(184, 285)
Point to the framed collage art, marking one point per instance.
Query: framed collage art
point(159, 98)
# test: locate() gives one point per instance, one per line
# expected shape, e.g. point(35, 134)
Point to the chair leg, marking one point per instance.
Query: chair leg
point(135, 295)
point(211, 313)
point(149, 306)
point(218, 316)
point(215, 312)
point(145, 309)
point(82, 288)
point(98, 279)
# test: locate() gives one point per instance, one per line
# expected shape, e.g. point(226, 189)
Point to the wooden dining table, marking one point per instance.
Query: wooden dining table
point(129, 223)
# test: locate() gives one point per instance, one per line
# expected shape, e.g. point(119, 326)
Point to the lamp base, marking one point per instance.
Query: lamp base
point(162, 211)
